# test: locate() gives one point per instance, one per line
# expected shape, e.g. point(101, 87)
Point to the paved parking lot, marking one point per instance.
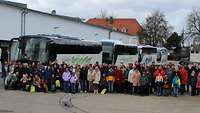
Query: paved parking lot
point(25, 102)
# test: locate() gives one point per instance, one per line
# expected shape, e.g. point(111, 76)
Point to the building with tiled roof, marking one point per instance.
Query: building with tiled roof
point(129, 26)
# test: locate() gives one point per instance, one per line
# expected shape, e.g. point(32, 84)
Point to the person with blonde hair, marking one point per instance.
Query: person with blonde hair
point(97, 77)
point(90, 78)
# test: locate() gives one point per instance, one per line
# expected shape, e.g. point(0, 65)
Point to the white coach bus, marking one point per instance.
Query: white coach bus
point(45, 48)
point(117, 53)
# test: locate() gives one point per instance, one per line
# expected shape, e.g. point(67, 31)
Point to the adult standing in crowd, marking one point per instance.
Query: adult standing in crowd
point(184, 78)
point(103, 83)
point(118, 79)
point(110, 78)
point(77, 72)
point(136, 81)
point(83, 78)
point(90, 78)
point(144, 83)
point(198, 84)
point(47, 75)
point(130, 80)
point(66, 76)
point(97, 77)
point(192, 82)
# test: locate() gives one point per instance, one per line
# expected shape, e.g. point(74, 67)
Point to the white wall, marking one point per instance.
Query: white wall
point(39, 23)
point(10, 22)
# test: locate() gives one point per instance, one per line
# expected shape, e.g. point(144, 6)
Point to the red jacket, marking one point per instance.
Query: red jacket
point(161, 71)
point(118, 76)
point(184, 76)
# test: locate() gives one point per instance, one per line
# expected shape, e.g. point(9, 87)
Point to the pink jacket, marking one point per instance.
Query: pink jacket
point(136, 78)
point(198, 81)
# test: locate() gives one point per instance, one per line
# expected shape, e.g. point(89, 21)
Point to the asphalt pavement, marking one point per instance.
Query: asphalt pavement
point(12, 101)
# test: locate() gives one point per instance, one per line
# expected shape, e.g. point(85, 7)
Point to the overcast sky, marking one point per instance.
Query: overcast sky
point(176, 11)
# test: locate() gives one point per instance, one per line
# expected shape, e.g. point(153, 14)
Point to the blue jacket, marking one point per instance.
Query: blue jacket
point(47, 74)
point(176, 82)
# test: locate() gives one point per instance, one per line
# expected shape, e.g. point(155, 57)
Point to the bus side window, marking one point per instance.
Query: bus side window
point(159, 55)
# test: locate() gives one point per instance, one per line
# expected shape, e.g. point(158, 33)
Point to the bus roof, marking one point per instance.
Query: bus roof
point(112, 41)
point(64, 40)
point(161, 48)
point(146, 46)
point(53, 36)
point(127, 45)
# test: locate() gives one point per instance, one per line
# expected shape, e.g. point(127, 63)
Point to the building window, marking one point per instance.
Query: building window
point(125, 30)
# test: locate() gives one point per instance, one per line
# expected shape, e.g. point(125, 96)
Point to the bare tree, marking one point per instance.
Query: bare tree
point(155, 30)
point(193, 24)
point(103, 13)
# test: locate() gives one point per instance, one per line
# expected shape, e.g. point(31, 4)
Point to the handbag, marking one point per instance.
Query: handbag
point(57, 83)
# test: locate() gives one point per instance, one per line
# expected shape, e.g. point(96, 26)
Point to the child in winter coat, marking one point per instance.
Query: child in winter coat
point(159, 82)
point(176, 84)
point(166, 86)
point(73, 81)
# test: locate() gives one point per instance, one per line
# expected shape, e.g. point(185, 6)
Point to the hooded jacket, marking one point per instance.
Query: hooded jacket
point(184, 76)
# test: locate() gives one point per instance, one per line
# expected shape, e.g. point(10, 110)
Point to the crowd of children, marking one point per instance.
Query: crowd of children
point(135, 79)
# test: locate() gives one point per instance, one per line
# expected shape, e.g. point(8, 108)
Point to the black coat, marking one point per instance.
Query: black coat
point(83, 74)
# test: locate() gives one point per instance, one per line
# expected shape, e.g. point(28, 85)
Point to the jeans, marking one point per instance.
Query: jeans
point(166, 91)
point(182, 89)
point(142, 90)
point(83, 85)
point(90, 86)
point(198, 90)
point(66, 86)
point(188, 88)
point(135, 90)
point(158, 89)
point(73, 88)
point(175, 91)
point(110, 86)
point(193, 93)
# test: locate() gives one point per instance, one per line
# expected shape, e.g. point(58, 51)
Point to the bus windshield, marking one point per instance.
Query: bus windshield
point(125, 54)
point(148, 50)
point(35, 49)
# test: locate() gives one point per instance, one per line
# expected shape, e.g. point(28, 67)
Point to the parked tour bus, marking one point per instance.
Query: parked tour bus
point(124, 54)
point(45, 48)
point(195, 54)
point(116, 52)
point(147, 54)
point(162, 55)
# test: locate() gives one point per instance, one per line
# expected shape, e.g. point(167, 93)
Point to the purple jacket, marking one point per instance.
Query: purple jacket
point(66, 76)
point(73, 79)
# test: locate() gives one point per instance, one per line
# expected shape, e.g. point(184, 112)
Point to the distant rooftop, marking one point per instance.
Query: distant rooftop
point(125, 25)
point(15, 4)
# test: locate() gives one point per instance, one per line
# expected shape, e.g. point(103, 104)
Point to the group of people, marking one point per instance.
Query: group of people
point(135, 79)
